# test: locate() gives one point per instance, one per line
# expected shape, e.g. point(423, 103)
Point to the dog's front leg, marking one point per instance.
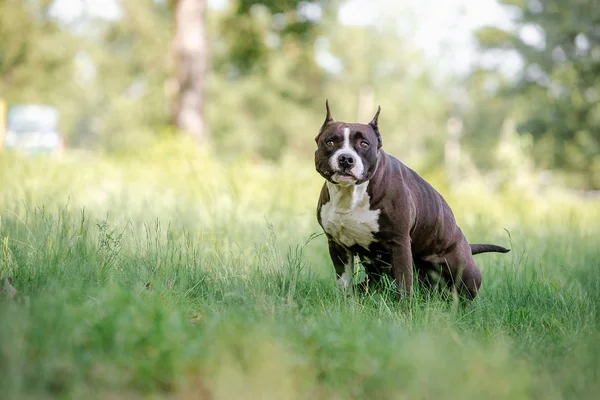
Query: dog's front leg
point(401, 257)
point(343, 262)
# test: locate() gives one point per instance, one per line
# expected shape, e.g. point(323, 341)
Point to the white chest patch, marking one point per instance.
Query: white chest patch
point(347, 216)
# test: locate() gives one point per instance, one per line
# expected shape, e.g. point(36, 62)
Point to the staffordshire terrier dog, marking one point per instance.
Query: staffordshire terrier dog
point(375, 207)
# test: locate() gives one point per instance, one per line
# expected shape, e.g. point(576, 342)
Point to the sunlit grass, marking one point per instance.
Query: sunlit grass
point(176, 274)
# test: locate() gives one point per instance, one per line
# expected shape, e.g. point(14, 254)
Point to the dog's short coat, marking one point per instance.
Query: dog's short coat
point(375, 207)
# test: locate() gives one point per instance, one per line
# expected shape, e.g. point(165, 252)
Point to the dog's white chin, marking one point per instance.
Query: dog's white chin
point(343, 179)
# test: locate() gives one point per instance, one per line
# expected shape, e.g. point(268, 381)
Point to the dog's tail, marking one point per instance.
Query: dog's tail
point(487, 248)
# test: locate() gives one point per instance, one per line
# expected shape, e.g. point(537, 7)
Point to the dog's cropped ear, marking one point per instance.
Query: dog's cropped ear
point(328, 117)
point(374, 125)
point(328, 120)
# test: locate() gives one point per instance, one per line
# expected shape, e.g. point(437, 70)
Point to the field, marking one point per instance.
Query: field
point(174, 275)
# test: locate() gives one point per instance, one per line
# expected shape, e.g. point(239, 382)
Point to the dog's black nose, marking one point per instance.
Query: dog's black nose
point(346, 161)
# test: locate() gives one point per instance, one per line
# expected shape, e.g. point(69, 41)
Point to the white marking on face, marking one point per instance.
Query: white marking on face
point(347, 217)
point(357, 171)
point(345, 280)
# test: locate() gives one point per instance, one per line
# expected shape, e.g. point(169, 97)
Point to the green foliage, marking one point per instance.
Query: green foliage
point(381, 68)
point(253, 28)
point(559, 84)
point(32, 41)
point(106, 79)
point(275, 109)
point(29, 40)
point(265, 90)
point(491, 37)
point(130, 104)
point(264, 85)
point(171, 283)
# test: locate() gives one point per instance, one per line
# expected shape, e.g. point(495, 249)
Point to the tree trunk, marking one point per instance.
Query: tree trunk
point(190, 53)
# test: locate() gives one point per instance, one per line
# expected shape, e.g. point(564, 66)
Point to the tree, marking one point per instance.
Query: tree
point(190, 55)
point(32, 41)
point(246, 30)
point(558, 87)
point(38, 58)
point(124, 104)
point(264, 77)
point(379, 67)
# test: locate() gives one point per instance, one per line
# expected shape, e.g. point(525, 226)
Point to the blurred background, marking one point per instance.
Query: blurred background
point(496, 90)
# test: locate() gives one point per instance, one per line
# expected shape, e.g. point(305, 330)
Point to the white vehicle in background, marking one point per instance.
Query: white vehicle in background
point(33, 129)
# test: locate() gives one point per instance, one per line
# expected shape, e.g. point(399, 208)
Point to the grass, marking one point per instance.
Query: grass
point(173, 275)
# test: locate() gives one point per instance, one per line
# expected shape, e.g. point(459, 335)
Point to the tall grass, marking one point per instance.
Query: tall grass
point(172, 274)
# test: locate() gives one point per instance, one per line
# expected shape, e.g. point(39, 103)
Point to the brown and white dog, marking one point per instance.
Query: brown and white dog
point(375, 207)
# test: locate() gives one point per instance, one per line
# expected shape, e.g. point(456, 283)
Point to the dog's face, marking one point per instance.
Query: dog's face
point(347, 152)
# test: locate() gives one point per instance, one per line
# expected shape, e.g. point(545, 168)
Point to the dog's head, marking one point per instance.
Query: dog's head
point(347, 153)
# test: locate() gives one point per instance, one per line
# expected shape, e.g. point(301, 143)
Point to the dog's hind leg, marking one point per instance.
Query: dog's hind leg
point(461, 272)
point(466, 280)
point(428, 275)
point(470, 281)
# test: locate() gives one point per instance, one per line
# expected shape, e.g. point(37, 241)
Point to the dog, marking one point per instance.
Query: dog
point(375, 207)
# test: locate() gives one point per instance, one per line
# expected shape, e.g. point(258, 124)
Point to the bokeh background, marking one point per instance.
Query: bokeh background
point(467, 87)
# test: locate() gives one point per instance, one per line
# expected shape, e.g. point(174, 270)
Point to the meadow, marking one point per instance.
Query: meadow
point(170, 274)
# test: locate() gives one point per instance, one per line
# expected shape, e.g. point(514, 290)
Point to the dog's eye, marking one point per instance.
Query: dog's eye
point(329, 143)
point(364, 145)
